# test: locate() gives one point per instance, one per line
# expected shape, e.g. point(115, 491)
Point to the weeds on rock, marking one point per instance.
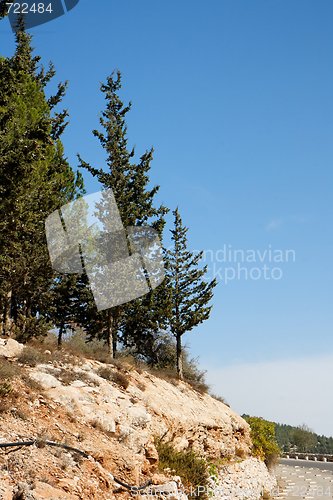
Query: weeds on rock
point(192, 469)
point(112, 376)
point(8, 370)
point(5, 389)
point(32, 357)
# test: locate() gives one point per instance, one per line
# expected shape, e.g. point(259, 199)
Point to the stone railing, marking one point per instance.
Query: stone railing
point(321, 457)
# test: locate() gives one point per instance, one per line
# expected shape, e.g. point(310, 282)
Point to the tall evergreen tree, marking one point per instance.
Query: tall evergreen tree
point(129, 181)
point(35, 180)
point(190, 293)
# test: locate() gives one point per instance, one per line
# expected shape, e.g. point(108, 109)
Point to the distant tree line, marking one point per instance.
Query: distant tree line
point(294, 438)
point(303, 439)
point(36, 179)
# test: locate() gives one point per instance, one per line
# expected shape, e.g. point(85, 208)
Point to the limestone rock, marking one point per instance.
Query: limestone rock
point(46, 380)
point(9, 348)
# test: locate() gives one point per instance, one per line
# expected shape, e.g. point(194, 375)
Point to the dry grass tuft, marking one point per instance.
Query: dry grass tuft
point(8, 370)
point(112, 376)
point(31, 356)
point(220, 399)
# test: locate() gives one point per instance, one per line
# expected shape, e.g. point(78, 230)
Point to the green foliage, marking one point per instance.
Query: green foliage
point(189, 292)
point(67, 294)
point(130, 183)
point(3, 8)
point(192, 469)
point(159, 355)
point(29, 327)
point(35, 180)
point(263, 438)
point(302, 439)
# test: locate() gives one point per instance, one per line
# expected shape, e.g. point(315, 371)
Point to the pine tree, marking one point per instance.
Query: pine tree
point(35, 180)
point(130, 184)
point(190, 293)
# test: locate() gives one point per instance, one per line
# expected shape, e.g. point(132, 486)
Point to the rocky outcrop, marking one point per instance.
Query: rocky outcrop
point(150, 407)
point(86, 405)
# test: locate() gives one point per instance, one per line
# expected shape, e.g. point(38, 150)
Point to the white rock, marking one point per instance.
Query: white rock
point(78, 383)
point(9, 348)
point(139, 416)
point(167, 490)
point(245, 480)
point(106, 421)
point(46, 380)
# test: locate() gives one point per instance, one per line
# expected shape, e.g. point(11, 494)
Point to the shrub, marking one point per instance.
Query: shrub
point(18, 413)
point(116, 377)
point(67, 377)
point(7, 396)
point(32, 357)
point(200, 387)
point(264, 441)
point(192, 469)
point(168, 374)
point(192, 374)
point(5, 389)
point(8, 370)
point(78, 345)
point(220, 399)
point(32, 384)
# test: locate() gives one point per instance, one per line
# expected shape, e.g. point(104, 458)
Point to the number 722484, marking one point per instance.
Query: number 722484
point(25, 8)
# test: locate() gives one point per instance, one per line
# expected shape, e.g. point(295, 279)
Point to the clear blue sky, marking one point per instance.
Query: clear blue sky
point(236, 96)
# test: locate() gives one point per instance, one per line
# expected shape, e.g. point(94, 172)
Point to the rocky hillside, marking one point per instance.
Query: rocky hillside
point(121, 418)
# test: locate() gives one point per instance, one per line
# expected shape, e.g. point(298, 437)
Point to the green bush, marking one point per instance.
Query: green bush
point(264, 441)
point(192, 469)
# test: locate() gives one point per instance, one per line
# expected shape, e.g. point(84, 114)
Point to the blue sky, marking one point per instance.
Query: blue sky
point(236, 98)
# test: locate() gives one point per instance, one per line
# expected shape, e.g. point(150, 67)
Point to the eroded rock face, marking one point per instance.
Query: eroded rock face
point(136, 415)
point(117, 427)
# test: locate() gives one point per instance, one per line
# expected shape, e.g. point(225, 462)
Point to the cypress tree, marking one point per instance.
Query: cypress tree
point(35, 180)
point(189, 292)
point(129, 181)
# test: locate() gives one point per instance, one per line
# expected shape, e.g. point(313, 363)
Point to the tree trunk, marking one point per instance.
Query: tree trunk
point(114, 342)
point(6, 321)
point(61, 331)
point(111, 336)
point(179, 358)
